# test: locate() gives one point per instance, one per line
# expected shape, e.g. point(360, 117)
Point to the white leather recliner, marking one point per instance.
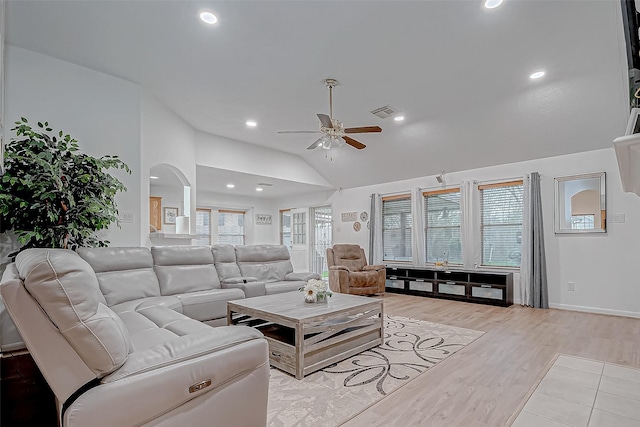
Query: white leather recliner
point(148, 366)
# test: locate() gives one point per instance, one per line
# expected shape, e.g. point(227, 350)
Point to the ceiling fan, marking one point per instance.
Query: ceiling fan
point(334, 132)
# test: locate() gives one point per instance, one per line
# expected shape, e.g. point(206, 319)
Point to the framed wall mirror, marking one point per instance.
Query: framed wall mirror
point(581, 204)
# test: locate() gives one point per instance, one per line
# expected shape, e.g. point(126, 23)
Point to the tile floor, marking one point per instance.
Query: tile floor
point(584, 393)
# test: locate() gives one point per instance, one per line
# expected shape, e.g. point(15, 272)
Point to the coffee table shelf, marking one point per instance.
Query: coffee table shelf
point(304, 338)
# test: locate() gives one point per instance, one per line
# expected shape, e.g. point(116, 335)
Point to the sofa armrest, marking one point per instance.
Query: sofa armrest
point(373, 267)
point(200, 370)
point(338, 267)
point(250, 289)
point(302, 276)
point(231, 280)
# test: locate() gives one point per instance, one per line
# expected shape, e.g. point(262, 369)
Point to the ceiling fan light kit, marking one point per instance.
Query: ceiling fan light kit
point(333, 130)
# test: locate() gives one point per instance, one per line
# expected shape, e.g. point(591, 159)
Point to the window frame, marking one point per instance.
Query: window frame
point(405, 196)
point(207, 210)
point(281, 233)
point(244, 220)
point(481, 188)
point(425, 196)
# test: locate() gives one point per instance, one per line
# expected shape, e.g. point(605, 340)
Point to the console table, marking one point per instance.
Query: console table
point(484, 287)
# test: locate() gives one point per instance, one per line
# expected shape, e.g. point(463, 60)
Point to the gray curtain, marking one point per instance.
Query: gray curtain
point(539, 295)
point(375, 230)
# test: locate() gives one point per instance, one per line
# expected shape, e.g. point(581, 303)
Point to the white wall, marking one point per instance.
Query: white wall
point(602, 266)
point(100, 111)
point(165, 139)
point(254, 234)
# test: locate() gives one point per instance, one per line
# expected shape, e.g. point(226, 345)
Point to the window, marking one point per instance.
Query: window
point(299, 228)
point(396, 228)
point(203, 227)
point(442, 226)
point(231, 227)
point(501, 223)
point(285, 228)
point(583, 222)
point(322, 239)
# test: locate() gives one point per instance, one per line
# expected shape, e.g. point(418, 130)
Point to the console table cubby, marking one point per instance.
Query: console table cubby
point(484, 287)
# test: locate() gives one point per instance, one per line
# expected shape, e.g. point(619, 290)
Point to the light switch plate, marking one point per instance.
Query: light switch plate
point(126, 217)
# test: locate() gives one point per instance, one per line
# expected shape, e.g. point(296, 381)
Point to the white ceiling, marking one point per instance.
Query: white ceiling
point(457, 71)
point(216, 180)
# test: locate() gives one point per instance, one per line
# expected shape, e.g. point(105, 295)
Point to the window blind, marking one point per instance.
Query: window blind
point(442, 217)
point(203, 227)
point(230, 227)
point(396, 228)
point(501, 223)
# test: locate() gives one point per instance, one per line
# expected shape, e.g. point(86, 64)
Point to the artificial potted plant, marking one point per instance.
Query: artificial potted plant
point(51, 194)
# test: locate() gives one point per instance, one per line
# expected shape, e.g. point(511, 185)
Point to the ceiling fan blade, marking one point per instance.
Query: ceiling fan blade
point(315, 145)
point(298, 131)
point(363, 129)
point(352, 142)
point(325, 120)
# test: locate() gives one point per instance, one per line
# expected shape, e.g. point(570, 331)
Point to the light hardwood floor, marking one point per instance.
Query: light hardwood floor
point(485, 383)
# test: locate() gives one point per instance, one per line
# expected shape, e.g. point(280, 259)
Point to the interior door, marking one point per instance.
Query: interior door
point(299, 239)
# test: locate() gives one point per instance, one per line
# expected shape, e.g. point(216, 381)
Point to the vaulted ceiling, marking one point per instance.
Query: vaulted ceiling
point(457, 71)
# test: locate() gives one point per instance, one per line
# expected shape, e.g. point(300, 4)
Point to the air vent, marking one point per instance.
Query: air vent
point(384, 112)
point(264, 184)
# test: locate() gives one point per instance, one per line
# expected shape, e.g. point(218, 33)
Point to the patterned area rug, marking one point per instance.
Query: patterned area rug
point(338, 392)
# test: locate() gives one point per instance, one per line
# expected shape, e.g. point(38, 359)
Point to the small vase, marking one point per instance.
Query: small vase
point(321, 297)
point(310, 298)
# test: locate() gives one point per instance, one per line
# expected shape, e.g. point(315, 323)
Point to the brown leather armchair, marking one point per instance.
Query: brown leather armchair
point(350, 274)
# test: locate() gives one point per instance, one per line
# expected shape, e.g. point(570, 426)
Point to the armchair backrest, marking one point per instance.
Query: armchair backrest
point(350, 256)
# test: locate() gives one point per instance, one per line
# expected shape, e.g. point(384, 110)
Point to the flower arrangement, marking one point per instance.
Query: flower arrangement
point(316, 291)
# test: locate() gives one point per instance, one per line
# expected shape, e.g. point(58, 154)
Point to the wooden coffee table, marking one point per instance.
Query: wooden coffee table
point(303, 337)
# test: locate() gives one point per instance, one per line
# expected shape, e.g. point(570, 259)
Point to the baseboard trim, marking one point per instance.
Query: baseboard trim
point(596, 310)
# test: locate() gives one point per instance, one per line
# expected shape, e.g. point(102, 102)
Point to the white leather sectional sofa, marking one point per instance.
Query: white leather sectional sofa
point(196, 281)
point(123, 335)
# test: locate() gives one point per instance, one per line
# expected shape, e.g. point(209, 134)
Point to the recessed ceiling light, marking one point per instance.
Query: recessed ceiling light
point(231, 185)
point(398, 118)
point(537, 75)
point(492, 4)
point(251, 123)
point(153, 177)
point(259, 188)
point(208, 17)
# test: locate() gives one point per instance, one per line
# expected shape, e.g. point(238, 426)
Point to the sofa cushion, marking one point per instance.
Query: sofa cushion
point(118, 268)
point(362, 279)
point(171, 302)
point(67, 289)
point(191, 340)
point(183, 269)
point(152, 326)
point(267, 263)
point(208, 305)
point(284, 286)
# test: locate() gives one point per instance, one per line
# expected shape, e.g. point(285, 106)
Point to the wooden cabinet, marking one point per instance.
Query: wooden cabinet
point(155, 213)
point(484, 287)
